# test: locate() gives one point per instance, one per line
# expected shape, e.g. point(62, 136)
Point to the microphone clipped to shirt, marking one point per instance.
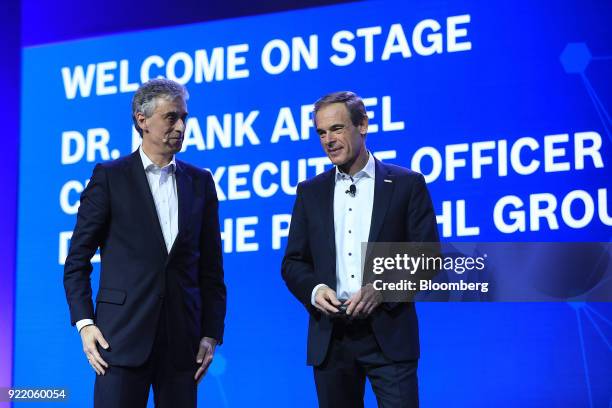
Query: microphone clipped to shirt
point(352, 190)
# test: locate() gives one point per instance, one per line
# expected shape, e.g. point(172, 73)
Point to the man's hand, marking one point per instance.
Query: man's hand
point(362, 303)
point(205, 356)
point(326, 300)
point(91, 336)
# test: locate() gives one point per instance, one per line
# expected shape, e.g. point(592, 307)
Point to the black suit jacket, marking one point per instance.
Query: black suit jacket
point(117, 213)
point(402, 212)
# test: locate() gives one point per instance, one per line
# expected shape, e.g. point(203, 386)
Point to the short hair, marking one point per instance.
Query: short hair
point(351, 100)
point(145, 98)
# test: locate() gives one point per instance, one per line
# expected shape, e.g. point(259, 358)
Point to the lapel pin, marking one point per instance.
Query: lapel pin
point(388, 181)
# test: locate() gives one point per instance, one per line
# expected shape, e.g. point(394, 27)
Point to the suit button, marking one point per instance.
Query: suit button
point(161, 297)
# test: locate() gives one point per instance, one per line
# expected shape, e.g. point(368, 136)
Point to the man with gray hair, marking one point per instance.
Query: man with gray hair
point(161, 301)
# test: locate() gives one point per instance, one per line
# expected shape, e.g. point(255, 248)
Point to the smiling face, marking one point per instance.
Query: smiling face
point(163, 131)
point(343, 142)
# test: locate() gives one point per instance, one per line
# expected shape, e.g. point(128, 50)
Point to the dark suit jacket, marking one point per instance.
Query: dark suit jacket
point(402, 212)
point(117, 214)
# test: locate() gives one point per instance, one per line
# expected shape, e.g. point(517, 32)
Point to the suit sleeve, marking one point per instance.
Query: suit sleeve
point(212, 285)
point(422, 223)
point(88, 235)
point(297, 266)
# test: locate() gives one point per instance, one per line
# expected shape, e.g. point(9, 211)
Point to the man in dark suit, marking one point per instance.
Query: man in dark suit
point(359, 200)
point(161, 302)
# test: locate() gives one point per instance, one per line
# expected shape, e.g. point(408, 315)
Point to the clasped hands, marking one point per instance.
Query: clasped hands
point(359, 306)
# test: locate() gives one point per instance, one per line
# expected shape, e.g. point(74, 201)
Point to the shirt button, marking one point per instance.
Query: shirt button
point(350, 253)
point(349, 231)
point(352, 276)
point(350, 209)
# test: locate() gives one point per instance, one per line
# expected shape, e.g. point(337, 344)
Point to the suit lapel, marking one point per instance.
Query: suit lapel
point(327, 208)
point(383, 190)
point(142, 186)
point(185, 197)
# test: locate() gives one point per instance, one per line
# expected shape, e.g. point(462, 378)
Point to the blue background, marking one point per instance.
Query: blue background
point(513, 83)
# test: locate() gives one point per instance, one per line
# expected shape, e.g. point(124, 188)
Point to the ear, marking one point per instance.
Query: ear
point(363, 127)
point(141, 120)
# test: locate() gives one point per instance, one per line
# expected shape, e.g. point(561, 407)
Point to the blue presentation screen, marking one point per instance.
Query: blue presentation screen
point(503, 108)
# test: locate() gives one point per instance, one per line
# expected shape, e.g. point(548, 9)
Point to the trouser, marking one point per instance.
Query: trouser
point(129, 386)
point(353, 355)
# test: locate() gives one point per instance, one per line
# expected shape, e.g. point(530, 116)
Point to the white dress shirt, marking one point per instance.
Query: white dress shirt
point(162, 182)
point(352, 219)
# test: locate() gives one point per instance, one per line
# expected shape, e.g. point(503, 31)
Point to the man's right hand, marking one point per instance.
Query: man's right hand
point(326, 301)
point(91, 336)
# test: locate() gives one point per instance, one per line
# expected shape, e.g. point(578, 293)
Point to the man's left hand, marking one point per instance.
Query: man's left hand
point(205, 356)
point(363, 303)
